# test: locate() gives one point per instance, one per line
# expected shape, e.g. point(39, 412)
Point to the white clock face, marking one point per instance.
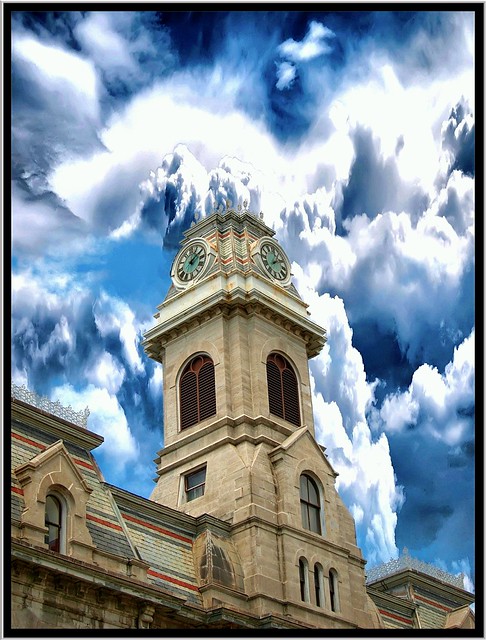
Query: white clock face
point(275, 261)
point(191, 262)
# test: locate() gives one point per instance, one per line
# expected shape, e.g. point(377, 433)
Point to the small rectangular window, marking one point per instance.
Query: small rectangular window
point(194, 484)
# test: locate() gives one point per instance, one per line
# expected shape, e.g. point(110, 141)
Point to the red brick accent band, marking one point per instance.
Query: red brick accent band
point(103, 522)
point(18, 490)
point(82, 463)
point(181, 583)
point(32, 442)
point(155, 528)
point(435, 604)
point(394, 616)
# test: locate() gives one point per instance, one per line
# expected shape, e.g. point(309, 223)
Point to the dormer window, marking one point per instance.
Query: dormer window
point(283, 389)
point(53, 522)
point(197, 391)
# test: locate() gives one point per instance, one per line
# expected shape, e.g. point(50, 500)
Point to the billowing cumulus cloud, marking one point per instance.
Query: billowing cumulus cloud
point(441, 404)
point(354, 133)
point(342, 398)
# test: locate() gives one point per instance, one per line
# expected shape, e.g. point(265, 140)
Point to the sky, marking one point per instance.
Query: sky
point(353, 132)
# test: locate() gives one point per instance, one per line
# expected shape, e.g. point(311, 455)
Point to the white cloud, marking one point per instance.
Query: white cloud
point(286, 73)
point(70, 71)
point(412, 112)
point(107, 418)
point(106, 373)
point(104, 44)
point(115, 316)
point(156, 381)
point(434, 401)
point(310, 47)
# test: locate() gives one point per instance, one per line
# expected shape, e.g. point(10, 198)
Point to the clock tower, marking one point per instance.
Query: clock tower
point(234, 338)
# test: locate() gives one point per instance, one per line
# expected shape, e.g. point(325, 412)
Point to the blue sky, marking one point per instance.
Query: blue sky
point(353, 132)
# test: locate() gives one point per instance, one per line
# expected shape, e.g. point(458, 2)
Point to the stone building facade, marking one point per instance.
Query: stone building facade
point(244, 528)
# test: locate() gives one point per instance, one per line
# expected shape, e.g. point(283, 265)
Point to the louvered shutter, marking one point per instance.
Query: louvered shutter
point(283, 389)
point(291, 397)
point(207, 392)
point(197, 391)
point(274, 382)
point(188, 399)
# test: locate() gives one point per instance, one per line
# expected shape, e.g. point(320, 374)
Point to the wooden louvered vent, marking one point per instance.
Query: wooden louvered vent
point(283, 389)
point(197, 391)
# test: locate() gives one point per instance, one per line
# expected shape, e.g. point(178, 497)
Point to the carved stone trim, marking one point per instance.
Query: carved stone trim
point(155, 343)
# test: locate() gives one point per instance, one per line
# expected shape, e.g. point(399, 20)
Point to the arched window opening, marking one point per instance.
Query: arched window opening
point(197, 391)
point(303, 580)
point(283, 389)
point(53, 522)
point(333, 590)
point(310, 504)
point(318, 585)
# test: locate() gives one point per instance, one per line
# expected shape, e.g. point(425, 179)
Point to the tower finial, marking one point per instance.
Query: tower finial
point(228, 204)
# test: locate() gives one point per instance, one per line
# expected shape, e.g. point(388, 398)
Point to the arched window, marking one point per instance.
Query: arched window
point(53, 522)
point(303, 580)
point(333, 590)
point(283, 389)
point(197, 391)
point(318, 585)
point(310, 504)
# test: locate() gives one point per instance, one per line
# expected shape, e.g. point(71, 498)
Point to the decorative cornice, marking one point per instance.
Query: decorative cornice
point(27, 414)
point(238, 303)
point(405, 562)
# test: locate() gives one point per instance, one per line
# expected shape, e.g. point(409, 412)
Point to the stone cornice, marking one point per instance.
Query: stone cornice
point(298, 533)
point(67, 431)
point(98, 576)
point(424, 581)
point(389, 600)
point(87, 576)
point(214, 425)
point(248, 304)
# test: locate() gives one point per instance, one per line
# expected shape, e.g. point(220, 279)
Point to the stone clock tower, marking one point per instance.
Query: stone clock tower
point(234, 338)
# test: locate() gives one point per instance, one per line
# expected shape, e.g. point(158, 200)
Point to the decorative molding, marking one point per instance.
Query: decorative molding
point(405, 562)
point(239, 303)
point(79, 418)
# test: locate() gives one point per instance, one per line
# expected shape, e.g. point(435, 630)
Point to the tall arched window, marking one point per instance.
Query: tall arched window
point(303, 580)
point(283, 389)
point(318, 585)
point(333, 590)
point(197, 391)
point(53, 522)
point(310, 504)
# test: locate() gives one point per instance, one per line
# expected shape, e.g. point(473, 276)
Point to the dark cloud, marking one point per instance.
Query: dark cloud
point(438, 494)
point(382, 356)
point(458, 138)
point(374, 184)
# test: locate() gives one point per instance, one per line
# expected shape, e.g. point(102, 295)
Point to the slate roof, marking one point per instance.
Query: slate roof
point(120, 523)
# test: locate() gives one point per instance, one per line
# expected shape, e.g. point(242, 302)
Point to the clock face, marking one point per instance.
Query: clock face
point(191, 262)
point(275, 261)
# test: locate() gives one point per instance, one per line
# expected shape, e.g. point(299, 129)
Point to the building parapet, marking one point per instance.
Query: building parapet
point(405, 562)
point(79, 418)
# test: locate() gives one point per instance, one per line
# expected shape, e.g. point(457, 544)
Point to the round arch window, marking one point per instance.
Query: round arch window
point(283, 389)
point(197, 391)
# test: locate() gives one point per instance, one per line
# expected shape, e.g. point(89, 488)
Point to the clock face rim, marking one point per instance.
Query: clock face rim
point(274, 249)
point(180, 274)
